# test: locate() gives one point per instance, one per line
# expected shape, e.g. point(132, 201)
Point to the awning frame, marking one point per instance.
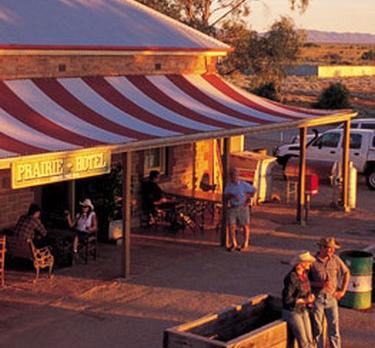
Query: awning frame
point(5, 163)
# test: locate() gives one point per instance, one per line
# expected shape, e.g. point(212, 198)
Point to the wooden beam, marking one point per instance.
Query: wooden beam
point(126, 213)
point(345, 166)
point(226, 133)
point(72, 197)
point(224, 213)
point(301, 176)
point(194, 170)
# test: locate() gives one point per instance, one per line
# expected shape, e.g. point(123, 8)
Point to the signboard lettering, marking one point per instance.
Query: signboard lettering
point(44, 169)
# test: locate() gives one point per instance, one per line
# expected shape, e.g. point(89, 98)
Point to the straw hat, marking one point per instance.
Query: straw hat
point(329, 242)
point(302, 256)
point(87, 203)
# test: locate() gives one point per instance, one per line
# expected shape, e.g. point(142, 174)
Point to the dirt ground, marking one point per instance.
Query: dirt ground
point(339, 54)
point(175, 282)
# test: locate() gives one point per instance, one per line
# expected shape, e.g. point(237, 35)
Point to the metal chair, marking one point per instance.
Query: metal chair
point(42, 258)
point(89, 246)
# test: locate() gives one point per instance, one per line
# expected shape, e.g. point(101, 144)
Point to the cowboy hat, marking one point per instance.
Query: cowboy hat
point(329, 242)
point(302, 256)
point(87, 203)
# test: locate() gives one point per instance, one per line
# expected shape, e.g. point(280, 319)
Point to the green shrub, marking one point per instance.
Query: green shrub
point(336, 96)
point(268, 90)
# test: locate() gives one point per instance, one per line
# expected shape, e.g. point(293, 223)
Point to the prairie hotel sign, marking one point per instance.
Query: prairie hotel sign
point(38, 170)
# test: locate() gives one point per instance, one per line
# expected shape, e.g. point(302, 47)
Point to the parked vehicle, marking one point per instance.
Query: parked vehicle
point(310, 137)
point(328, 147)
point(361, 123)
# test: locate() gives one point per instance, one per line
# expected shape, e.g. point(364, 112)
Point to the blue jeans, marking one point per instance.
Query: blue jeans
point(326, 305)
point(300, 325)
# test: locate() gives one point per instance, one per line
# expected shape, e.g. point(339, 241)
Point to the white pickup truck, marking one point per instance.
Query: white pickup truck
point(328, 147)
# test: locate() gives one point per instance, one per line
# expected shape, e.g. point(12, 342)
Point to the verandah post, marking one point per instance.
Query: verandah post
point(126, 213)
point(301, 176)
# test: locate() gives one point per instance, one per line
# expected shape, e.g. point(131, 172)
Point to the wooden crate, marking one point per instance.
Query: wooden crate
point(255, 168)
point(255, 323)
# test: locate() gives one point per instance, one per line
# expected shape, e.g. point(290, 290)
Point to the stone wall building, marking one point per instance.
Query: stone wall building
point(87, 78)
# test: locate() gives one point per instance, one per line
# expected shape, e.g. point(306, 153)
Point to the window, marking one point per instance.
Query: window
point(355, 141)
point(155, 159)
point(373, 142)
point(328, 140)
point(368, 125)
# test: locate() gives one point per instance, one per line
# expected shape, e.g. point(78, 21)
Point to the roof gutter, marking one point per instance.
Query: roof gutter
point(37, 50)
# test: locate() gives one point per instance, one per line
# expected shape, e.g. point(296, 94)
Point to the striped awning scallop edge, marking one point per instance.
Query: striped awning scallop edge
point(64, 114)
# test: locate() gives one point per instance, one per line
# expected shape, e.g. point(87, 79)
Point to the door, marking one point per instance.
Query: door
point(358, 150)
point(326, 147)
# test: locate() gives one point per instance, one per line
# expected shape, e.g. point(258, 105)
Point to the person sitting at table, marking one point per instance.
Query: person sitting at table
point(30, 226)
point(205, 185)
point(84, 223)
point(153, 197)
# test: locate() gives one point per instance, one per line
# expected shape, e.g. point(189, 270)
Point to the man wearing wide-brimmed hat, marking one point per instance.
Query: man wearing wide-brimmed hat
point(329, 278)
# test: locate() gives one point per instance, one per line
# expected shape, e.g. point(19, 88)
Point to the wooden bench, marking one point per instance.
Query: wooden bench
point(18, 247)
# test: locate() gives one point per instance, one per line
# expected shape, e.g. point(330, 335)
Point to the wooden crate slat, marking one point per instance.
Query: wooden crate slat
point(249, 325)
point(235, 317)
point(173, 339)
point(266, 336)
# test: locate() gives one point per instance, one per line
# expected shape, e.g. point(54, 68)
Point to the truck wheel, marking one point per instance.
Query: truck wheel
point(370, 179)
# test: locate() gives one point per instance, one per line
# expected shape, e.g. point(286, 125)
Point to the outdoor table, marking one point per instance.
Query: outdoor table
point(196, 203)
point(196, 195)
point(61, 241)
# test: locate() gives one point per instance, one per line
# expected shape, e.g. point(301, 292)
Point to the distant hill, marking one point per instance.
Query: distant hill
point(345, 38)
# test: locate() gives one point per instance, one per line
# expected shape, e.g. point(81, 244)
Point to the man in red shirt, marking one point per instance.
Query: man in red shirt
point(29, 226)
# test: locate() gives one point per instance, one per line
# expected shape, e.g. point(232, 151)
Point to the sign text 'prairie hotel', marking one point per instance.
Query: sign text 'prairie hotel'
point(39, 170)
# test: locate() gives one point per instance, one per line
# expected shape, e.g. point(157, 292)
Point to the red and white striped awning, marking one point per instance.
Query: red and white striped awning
point(52, 115)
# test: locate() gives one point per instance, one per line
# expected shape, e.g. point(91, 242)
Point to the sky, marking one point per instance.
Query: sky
point(327, 15)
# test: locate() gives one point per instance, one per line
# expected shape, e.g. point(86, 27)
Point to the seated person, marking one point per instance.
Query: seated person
point(84, 223)
point(153, 199)
point(205, 185)
point(29, 226)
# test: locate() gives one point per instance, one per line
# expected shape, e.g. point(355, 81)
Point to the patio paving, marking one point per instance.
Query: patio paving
point(173, 282)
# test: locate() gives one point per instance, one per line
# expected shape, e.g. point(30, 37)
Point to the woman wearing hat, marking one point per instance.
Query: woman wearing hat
point(84, 223)
point(297, 298)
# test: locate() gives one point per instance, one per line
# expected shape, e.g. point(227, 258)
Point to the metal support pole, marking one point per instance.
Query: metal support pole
point(224, 214)
point(126, 213)
point(301, 176)
point(345, 166)
point(194, 170)
point(307, 206)
point(72, 197)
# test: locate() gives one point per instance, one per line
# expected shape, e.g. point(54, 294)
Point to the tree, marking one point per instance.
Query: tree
point(265, 56)
point(171, 8)
point(199, 13)
point(237, 35)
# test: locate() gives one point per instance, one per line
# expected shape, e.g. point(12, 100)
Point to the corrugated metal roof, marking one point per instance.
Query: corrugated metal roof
point(95, 24)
